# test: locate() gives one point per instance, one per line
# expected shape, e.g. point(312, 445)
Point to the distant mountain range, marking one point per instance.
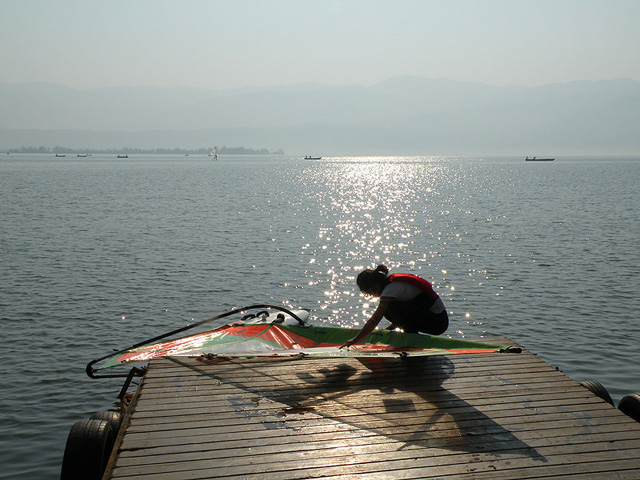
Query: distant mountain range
point(402, 116)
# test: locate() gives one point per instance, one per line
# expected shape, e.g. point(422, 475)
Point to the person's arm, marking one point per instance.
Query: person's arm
point(371, 323)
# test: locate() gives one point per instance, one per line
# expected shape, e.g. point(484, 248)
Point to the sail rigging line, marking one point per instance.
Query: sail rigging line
point(91, 371)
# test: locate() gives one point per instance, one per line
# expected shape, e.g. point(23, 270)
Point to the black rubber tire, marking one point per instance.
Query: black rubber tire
point(87, 450)
point(598, 390)
point(113, 418)
point(630, 406)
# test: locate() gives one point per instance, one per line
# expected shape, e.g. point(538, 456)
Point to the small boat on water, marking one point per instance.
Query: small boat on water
point(535, 159)
point(309, 157)
point(60, 155)
point(123, 156)
point(81, 155)
point(214, 154)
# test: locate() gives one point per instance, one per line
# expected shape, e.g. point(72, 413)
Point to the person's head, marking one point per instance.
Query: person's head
point(371, 282)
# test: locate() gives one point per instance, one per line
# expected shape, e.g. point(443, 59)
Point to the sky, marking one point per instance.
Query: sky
point(218, 44)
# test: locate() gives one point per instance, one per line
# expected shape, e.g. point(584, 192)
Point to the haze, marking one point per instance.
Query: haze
point(330, 77)
point(223, 44)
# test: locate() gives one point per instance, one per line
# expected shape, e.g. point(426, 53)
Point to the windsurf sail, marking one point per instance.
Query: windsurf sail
point(279, 339)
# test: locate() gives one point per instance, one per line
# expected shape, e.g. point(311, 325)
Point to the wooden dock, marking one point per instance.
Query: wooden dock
point(484, 416)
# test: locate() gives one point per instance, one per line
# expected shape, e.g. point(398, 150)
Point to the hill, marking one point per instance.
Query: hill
point(403, 115)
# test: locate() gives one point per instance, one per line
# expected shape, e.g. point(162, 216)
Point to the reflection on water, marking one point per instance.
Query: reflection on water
point(375, 212)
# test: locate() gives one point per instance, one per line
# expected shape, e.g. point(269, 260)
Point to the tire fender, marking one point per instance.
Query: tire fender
point(114, 419)
point(598, 390)
point(630, 406)
point(87, 451)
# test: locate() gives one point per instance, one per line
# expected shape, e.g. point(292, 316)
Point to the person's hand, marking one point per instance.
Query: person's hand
point(347, 344)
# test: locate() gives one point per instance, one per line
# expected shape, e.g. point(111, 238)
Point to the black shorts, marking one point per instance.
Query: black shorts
point(414, 316)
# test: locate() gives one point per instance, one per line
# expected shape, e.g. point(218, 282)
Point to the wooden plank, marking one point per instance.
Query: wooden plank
point(156, 444)
point(331, 447)
point(468, 416)
point(390, 427)
point(384, 458)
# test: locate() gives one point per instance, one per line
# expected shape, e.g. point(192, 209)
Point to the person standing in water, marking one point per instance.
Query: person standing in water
point(407, 301)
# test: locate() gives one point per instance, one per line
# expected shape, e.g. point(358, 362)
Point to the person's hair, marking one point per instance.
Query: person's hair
point(371, 281)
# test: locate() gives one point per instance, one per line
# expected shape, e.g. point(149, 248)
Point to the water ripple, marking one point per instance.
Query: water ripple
point(100, 254)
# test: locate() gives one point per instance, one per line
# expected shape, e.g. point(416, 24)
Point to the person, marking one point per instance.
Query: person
point(407, 301)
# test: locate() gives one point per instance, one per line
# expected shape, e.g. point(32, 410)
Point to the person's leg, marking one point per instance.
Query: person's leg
point(400, 314)
point(435, 324)
point(414, 316)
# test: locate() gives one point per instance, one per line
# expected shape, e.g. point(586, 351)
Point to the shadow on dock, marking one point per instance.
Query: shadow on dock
point(402, 400)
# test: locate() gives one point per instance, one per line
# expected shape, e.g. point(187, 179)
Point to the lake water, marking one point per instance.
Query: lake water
point(98, 253)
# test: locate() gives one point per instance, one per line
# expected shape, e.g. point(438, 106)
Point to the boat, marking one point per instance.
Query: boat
point(82, 155)
point(123, 156)
point(214, 154)
point(535, 159)
point(276, 331)
point(309, 157)
point(60, 155)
